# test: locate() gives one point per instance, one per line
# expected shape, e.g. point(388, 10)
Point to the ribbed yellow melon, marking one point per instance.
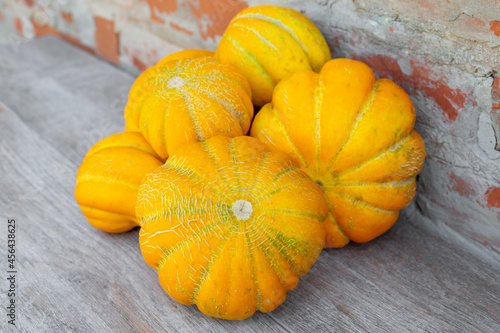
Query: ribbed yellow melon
point(187, 97)
point(354, 136)
point(230, 225)
point(109, 177)
point(268, 43)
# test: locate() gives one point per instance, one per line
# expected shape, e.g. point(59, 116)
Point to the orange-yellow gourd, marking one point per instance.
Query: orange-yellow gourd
point(188, 96)
point(354, 136)
point(109, 177)
point(268, 43)
point(230, 225)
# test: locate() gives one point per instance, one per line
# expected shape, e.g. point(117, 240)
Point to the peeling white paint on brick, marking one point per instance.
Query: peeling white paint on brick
point(486, 137)
point(84, 24)
point(136, 43)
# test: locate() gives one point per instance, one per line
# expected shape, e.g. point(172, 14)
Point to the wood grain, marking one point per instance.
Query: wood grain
point(55, 102)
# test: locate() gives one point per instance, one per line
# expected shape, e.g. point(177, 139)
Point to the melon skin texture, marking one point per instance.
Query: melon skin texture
point(230, 225)
point(188, 96)
point(109, 177)
point(354, 136)
point(269, 43)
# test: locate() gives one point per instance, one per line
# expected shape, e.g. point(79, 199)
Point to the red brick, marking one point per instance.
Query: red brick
point(495, 90)
point(461, 186)
point(492, 197)
point(42, 30)
point(68, 17)
point(220, 12)
point(106, 39)
point(424, 79)
point(495, 27)
point(19, 25)
point(181, 29)
point(161, 6)
point(138, 63)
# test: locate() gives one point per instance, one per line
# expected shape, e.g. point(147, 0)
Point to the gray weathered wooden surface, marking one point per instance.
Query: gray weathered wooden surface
point(55, 102)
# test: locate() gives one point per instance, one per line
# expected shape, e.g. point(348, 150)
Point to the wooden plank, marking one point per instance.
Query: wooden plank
point(82, 97)
point(74, 278)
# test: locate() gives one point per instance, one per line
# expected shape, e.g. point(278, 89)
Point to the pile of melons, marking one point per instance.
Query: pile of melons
point(232, 221)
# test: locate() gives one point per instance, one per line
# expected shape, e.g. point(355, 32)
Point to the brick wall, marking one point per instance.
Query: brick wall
point(444, 53)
